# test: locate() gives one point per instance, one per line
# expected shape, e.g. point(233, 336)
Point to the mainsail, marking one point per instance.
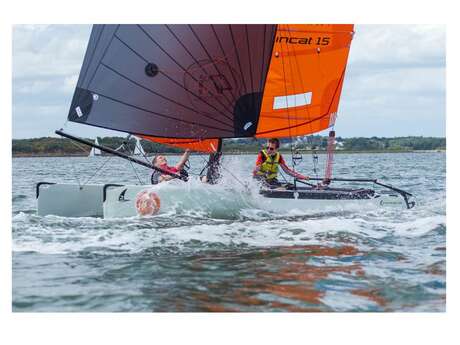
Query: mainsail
point(190, 85)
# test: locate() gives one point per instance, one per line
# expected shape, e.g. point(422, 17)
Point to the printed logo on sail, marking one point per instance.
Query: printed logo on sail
point(310, 40)
point(212, 83)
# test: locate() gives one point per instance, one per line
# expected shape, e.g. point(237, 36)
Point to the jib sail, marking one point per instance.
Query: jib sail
point(305, 79)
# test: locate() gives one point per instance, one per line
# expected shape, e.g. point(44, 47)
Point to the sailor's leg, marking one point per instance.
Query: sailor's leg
point(213, 172)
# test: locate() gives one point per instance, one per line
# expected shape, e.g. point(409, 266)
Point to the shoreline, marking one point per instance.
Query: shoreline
point(235, 153)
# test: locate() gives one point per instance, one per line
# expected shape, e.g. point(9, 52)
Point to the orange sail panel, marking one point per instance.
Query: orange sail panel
point(304, 80)
point(205, 145)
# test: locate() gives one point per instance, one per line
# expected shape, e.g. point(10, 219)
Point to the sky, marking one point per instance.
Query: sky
point(394, 84)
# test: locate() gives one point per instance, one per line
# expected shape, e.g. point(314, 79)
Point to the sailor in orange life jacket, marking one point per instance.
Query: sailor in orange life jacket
point(161, 162)
point(267, 164)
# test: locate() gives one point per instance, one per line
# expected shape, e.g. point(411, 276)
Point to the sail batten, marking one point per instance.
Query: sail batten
point(174, 81)
point(205, 82)
point(307, 60)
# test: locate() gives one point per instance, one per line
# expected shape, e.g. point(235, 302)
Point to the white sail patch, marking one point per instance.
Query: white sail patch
point(79, 112)
point(247, 125)
point(291, 101)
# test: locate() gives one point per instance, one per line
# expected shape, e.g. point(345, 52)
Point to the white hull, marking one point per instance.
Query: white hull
point(114, 201)
point(69, 200)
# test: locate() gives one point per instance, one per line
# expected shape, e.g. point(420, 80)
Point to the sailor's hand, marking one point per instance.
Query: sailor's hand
point(306, 178)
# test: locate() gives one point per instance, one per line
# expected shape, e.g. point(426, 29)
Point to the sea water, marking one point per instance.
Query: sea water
point(242, 259)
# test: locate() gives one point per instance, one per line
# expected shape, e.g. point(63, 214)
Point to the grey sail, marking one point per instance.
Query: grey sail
point(174, 81)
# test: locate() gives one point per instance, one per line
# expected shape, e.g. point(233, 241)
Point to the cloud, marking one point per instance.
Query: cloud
point(398, 46)
point(48, 50)
point(46, 64)
point(395, 82)
point(394, 85)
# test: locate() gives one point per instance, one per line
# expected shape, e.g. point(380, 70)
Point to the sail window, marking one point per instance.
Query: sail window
point(291, 101)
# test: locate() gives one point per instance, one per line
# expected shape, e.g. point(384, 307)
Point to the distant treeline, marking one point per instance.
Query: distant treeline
point(49, 146)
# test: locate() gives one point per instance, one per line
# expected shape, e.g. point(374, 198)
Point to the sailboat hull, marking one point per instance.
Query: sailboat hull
point(115, 201)
point(69, 200)
point(328, 200)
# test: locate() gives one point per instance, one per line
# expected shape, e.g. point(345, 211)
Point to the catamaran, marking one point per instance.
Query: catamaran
point(193, 86)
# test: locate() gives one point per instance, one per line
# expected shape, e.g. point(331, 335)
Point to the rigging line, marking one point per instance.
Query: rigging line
point(184, 69)
point(164, 97)
point(287, 100)
point(75, 173)
point(302, 85)
point(79, 146)
point(286, 91)
point(250, 65)
point(236, 178)
point(135, 172)
point(211, 59)
point(284, 177)
point(158, 114)
point(292, 79)
point(97, 170)
point(174, 81)
point(238, 58)
point(102, 57)
point(206, 162)
point(337, 88)
point(292, 73)
point(295, 98)
point(73, 164)
point(302, 89)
